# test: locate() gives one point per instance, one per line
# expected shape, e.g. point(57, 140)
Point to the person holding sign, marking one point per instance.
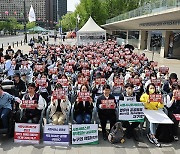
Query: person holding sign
point(32, 113)
point(173, 103)
point(59, 106)
point(129, 95)
point(106, 106)
point(151, 105)
point(83, 106)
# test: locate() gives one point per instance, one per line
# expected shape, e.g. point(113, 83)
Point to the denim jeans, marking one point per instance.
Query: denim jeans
point(153, 127)
point(83, 118)
point(4, 112)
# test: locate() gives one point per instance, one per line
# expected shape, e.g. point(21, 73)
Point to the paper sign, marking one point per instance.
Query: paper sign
point(24, 63)
point(108, 104)
point(27, 133)
point(82, 81)
point(122, 64)
point(118, 82)
point(164, 69)
point(86, 72)
point(59, 94)
point(100, 81)
point(177, 116)
point(85, 134)
point(135, 62)
point(68, 69)
point(157, 116)
point(63, 82)
point(154, 64)
point(56, 135)
point(28, 104)
point(135, 81)
point(53, 71)
point(83, 96)
point(157, 82)
point(41, 82)
point(131, 111)
point(39, 68)
point(155, 98)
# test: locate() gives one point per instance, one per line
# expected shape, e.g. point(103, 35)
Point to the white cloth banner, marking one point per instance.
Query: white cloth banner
point(32, 16)
point(157, 116)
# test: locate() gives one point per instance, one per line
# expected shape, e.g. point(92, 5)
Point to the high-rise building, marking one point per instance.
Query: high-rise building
point(61, 8)
point(15, 9)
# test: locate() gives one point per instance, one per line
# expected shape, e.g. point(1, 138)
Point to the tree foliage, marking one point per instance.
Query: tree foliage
point(99, 10)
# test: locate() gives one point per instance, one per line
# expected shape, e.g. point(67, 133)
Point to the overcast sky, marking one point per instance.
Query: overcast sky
point(71, 4)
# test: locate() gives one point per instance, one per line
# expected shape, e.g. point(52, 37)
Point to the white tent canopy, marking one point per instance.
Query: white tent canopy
point(90, 33)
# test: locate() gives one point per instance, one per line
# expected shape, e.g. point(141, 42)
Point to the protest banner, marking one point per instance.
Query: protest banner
point(82, 80)
point(157, 116)
point(118, 82)
point(63, 82)
point(131, 111)
point(155, 98)
point(154, 64)
point(177, 116)
point(56, 135)
point(108, 104)
point(39, 68)
point(41, 82)
point(59, 94)
point(100, 81)
point(156, 82)
point(68, 69)
point(27, 133)
point(164, 69)
point(28, 104)
point(85, 134)
point(130, 99)
point(86, 72)
point(135, 81)
point(82, 96)
point(53, 71)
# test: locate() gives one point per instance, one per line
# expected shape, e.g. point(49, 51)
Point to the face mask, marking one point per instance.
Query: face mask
point(151, 91)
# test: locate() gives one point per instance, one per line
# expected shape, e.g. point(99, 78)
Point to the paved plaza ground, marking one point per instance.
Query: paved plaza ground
point(7, 146)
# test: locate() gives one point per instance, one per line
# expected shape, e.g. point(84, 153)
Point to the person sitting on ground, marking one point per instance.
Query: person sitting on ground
point(129, 95)
point(106, 106)
point(151, 89)
point(83, 109)
point(59, 108)
point(33, 115)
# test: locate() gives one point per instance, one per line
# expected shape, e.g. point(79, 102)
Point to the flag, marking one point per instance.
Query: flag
point(32, 16)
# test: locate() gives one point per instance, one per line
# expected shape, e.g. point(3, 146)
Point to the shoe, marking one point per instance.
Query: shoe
point(176, 138)
point(156, 142)
point(150, 138)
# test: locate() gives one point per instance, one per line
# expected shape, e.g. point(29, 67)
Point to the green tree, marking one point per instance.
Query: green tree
point(31, 25)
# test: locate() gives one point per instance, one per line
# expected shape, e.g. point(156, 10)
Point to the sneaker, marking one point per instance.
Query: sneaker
point(156, 142)
point(150, 138)
point(176, 138)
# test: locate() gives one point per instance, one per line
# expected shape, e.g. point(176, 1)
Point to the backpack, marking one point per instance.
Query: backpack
point(164, 133)
point(116, 134)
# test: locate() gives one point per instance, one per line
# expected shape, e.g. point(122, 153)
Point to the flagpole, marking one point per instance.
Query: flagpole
point(25, 28)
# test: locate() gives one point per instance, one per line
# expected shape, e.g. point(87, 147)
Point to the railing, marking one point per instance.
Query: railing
point(159, 5)
point(13, 44)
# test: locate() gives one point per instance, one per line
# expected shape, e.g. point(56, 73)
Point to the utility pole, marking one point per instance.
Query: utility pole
point(25, 29)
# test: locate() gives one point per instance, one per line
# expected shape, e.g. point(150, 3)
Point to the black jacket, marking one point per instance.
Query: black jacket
point(106, 112)
point(79, 108)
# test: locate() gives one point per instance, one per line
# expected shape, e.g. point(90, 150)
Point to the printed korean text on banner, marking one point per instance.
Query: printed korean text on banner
point(155, 98)
point(118, 82)
point(131, 111)
point(108, 104)
point(100, 81)
point(82, 96)
point(56, 135)
point(27, 133)
point(63, 82)
point(85, 134)
point(28, 104)
point(59, 94)
point(177, 116)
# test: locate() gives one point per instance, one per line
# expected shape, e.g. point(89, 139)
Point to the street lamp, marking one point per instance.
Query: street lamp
point(25, 28)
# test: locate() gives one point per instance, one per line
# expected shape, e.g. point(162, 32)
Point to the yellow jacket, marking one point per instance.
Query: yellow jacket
point(152, 105)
